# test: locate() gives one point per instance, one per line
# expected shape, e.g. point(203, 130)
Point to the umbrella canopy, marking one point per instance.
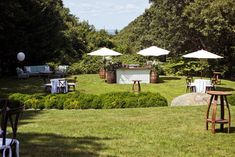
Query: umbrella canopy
point(104, 52)
point(153, 51)
point(202, 54)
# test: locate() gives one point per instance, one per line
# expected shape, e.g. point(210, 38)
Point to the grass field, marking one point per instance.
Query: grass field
point(148, 132)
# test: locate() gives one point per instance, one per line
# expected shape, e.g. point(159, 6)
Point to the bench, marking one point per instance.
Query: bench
point(36, 69)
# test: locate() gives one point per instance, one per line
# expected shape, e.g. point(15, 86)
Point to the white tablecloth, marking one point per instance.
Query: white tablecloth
point(55, 84)
point(201, 85)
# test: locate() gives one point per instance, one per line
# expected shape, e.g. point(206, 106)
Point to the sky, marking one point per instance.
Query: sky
point(107, 14)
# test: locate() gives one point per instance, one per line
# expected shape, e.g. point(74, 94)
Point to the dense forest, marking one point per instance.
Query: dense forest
point(46, 31)
point(184, 26)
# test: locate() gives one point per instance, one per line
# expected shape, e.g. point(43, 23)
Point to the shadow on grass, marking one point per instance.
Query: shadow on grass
point(25, 86)
point(27, 115)
point(52, 145)
point(167, 78)
point(225, 130)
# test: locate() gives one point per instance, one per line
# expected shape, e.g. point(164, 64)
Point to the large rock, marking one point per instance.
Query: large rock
point(191, 99)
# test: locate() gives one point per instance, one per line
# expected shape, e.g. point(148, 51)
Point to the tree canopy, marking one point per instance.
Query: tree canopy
point(183, 26)
point(45, 31)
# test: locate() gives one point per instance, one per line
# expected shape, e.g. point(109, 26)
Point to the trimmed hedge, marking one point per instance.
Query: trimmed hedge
point(76, 100)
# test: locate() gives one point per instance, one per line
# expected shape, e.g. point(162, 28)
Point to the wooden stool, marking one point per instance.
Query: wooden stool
point(213, 101)
point(136, 86)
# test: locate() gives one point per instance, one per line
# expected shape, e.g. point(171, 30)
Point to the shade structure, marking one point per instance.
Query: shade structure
point(104, 52)
point(153, 51)
point(202, 54)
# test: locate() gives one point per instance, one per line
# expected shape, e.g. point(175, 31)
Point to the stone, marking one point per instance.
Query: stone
point(191, 99)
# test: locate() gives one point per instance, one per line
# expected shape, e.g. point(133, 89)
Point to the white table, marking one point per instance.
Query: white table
point(55, 85)
point(127, 75)
point(201, 85)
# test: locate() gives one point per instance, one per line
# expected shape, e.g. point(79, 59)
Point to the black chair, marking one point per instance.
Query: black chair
point(190, 86)
point(10, 113)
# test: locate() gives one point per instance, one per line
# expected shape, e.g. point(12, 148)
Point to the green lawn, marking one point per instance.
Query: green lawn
point(169, 86)
point(160, 131)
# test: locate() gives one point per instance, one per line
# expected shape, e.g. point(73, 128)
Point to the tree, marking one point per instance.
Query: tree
point(214, 20)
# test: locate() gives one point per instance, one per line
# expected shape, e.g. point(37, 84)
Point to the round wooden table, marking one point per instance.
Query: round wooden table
point(213, 102)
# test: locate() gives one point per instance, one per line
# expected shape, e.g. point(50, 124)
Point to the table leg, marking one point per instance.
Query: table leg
point(133, 87)
point(208, 110)
point(229, 114)
point(222, 112)
point(139, 89)
point(214, 113)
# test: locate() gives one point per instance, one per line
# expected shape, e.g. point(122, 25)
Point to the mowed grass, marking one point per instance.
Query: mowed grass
point(148, 132)
point(142, 132)
point(168, 86)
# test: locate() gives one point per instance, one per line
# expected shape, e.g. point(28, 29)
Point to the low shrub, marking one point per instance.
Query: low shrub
point(132, 100)
point(77, 100)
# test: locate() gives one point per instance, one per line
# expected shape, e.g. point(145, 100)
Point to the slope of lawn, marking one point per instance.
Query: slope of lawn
point(169, 86)
point(161, 131)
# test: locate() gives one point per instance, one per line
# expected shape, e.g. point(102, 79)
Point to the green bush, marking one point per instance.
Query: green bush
point(88, 65)
point(132, 100)
point(78, 100)
point(30, 101)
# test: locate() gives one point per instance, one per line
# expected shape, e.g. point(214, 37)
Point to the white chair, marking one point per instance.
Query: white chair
point(62, 86)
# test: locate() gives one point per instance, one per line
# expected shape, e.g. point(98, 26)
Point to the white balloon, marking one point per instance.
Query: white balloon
point(21, 56)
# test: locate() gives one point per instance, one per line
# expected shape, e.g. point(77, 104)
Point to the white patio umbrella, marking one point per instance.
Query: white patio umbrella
point(104, 52)
point(153, 51)
point(202, 54)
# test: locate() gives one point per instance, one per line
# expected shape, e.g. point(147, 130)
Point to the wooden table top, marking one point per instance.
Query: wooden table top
point(219, 93)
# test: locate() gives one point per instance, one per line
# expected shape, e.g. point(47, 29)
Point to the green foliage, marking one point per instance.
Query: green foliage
point(183, 26)
point(185, 67)
point(130, 59)
point(45, 31)
point(78, 100)
point(130, 100)
point(88, 65)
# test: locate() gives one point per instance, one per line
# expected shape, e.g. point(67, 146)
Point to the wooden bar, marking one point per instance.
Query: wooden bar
point(127, 75)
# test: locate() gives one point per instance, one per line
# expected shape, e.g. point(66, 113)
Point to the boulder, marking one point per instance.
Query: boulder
point(191, 99)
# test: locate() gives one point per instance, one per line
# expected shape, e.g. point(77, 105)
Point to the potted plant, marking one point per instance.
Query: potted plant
point(154, 74)
point(111, 71)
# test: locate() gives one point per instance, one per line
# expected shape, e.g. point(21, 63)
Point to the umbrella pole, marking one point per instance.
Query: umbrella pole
point(201, 72)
